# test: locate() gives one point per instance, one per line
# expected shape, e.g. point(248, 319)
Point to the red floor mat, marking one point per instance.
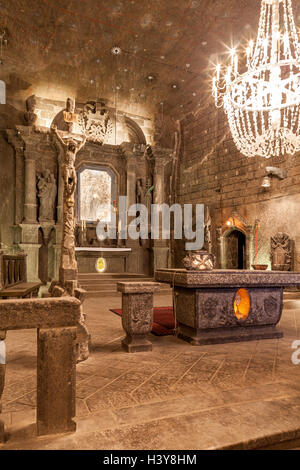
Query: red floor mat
point(163, 320)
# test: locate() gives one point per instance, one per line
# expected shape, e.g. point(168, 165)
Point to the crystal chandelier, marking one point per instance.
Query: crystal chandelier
point(262, 104)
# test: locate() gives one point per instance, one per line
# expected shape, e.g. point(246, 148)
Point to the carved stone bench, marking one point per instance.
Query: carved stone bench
point(137, 314)
point(56, 320)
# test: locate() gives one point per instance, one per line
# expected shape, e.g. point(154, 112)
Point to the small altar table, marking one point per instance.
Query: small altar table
point(115, 257)
point(221, 306)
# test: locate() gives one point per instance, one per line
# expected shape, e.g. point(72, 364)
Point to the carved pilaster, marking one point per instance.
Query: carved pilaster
point(14, 138)
point(161, 247)
point(133, 259)
point(30, 205)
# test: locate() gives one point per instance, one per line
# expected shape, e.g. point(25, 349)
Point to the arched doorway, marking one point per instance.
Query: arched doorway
point(235, 250)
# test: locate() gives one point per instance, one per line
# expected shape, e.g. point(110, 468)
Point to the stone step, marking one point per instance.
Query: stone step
point(112, 285)
point(105, 284)
point(96, 293)
point(291, 295)
point(113, 293)
point(109, 282)
point(82, 276)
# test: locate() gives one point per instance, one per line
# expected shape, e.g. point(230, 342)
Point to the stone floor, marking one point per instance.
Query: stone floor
point(240, 395)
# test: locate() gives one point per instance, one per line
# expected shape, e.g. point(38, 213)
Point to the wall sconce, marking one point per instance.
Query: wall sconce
point(272, 171)
point(230, 222)
point(266, 183)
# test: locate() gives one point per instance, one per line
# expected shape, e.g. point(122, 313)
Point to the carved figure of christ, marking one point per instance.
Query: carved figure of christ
point(71, 145)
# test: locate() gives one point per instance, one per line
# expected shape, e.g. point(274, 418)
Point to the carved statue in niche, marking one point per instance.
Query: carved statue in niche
point(30, 116)
point(281, 252)
point(140, 191)
point(149, 157)
point(47, 196)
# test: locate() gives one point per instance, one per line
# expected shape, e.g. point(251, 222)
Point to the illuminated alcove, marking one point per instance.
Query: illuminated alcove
point(96, 192)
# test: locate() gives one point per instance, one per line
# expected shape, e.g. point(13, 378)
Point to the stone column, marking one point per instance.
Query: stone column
point(56, 380)
point(221, 249)
point(161, 247)
point(57, 260)
point(133, 258)
point(19, 209)
point(137, 314)
point(17, 143)
point(30, 206)
point(249, 247)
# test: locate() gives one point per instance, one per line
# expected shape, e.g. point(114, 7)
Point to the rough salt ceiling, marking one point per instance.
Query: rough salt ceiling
point(61, 47)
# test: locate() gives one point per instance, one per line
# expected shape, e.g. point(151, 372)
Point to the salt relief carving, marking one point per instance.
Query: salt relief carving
point(94, 121)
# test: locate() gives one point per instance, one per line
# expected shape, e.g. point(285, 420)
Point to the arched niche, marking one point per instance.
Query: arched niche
point(102, 125)
point(135, 133)
point(235, 233)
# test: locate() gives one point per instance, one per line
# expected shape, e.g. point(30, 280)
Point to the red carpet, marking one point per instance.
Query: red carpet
point(163, 320)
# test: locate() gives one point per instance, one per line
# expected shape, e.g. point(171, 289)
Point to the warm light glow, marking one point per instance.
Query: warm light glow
point(100, 265)
point(263, 104)
point(242, 304)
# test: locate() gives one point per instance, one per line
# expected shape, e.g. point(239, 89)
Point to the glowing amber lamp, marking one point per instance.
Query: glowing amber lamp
point(242, 304)
point(100, 265)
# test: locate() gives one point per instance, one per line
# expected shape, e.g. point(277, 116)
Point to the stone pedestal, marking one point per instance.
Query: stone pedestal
point(32, 251)
point(27, 239)
point(66, 275)
point(220, 306)
point(56, 260)
point(56, 372)
point(137, 314)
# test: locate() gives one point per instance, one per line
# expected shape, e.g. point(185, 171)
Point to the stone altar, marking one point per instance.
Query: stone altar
point(222, 306)
point(116, 259)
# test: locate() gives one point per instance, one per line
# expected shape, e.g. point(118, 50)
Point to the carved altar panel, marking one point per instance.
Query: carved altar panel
point(281, 252)
point(95, 195)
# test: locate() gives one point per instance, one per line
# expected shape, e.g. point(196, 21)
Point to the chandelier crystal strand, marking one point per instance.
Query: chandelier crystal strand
point(262, 104)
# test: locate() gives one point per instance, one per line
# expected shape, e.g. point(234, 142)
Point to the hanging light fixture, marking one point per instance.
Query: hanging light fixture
point(262, 104)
